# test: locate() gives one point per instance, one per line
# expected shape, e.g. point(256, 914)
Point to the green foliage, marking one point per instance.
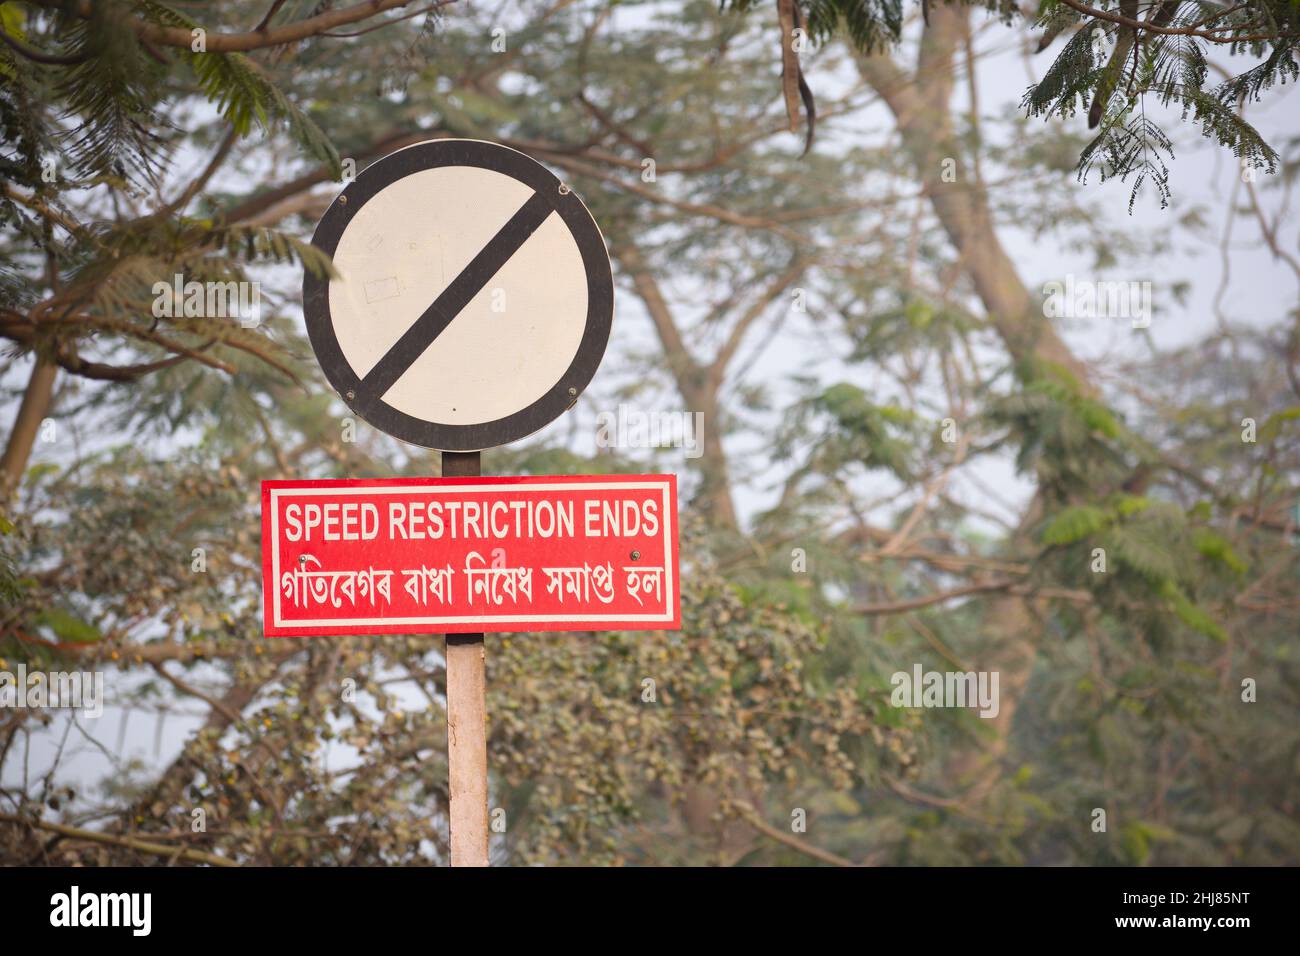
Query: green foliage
point(1141, 549)
point(1136, 837)
point(238, 87)
point(1156, 544)
point(1169, 66)
point(119, 91)
point(737, 681)
point(1074, 524)
point(103, 119)
point(1129, 144)
point(10, 587)
point(1193, 616)
point(1281, 64)
point(1069, 439)
point(1214, 546)
point(869, 24)
point(1172, 68)
point(260, 243)
point(1065, 87)
point(111, 94)
point(859, 431)
point(1272, 427)
point(67, 627)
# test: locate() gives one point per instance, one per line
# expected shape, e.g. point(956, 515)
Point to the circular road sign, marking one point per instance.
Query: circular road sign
point(473, 299)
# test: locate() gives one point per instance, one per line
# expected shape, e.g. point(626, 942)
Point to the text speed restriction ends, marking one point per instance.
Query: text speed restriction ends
point(435, 555)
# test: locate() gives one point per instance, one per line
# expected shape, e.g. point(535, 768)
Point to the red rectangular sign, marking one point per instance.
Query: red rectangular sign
point(457, 555)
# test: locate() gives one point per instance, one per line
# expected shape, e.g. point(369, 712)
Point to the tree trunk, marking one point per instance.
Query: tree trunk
point(696, 386)
point(921, 107)
point(35, 406)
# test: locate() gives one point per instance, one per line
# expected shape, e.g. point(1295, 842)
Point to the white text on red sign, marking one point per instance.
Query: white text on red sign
point(470, 554)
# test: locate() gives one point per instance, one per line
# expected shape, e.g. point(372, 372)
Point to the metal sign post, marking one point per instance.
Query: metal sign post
point(467, 774)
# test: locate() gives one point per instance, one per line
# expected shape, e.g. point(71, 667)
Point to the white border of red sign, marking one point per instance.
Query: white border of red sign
point(487, 623)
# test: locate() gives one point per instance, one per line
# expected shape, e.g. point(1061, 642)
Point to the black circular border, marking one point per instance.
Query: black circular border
point(595, 259)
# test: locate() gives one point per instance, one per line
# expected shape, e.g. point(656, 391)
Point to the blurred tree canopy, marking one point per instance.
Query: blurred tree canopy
point(145, 140)
point(1116, 58)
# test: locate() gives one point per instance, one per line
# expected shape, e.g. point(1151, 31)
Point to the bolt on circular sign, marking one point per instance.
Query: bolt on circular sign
point(473, 300)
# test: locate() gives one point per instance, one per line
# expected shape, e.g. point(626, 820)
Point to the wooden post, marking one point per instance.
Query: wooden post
point(466, 722)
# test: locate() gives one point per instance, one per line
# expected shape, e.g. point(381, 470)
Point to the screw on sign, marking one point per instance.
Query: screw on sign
point(471, 306)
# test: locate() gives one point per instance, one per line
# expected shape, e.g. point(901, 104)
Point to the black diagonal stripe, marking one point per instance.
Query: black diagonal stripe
point(454, 298)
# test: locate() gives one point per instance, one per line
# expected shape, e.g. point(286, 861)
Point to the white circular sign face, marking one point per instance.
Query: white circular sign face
point(473, 295)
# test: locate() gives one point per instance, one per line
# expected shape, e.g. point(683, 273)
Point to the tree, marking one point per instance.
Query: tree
point(1118, 60)
point(933, 362)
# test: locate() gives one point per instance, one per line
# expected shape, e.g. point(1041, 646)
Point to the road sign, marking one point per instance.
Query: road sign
point(454, 555)
point(472, 305)
point(474, 297)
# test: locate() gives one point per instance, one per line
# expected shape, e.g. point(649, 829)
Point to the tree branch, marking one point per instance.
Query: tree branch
point(1212, 35)
point(142, 846)
point(257, 39)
